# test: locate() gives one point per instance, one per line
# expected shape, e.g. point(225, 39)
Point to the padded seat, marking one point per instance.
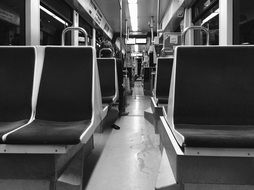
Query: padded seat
point(217, 136)
point(107, 74)
point(163, 78)
point(50, 132)
point(162, 99)
point(16, 81)
point(212, 96)
point(64, 106)
point(6, 127)
point(107, 99)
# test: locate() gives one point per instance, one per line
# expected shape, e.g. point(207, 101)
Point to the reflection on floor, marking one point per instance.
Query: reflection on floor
point(129, 158)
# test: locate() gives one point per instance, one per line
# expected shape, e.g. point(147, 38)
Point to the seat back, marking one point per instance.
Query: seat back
point(65, 92)
point(16, 81)
point(163, 77)
point(213, 85)
point(107, 73)
point(106, 52)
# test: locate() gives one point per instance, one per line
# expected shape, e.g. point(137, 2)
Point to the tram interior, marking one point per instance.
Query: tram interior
point(126, 95)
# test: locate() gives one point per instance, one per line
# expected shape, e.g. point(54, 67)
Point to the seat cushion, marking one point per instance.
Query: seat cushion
point(49, 132)
point(217, 136)
point(6, 127)
point(162, 99)
point(107, 99)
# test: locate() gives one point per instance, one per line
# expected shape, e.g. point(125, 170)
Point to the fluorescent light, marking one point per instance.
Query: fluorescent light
point(132, 1)
point(53, 15)
point(133, 11)
point(211, 16)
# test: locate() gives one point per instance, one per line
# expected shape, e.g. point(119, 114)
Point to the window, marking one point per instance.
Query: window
point(206, 13)
point(243, 22)
point(55, 15)
point(12, 22)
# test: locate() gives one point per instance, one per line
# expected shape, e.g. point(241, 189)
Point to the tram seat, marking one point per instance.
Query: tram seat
point(213, 104)
point(163, 77)
point(159, 100)
point(208, 132)
point(107, 66)
point(16, 81)
point(64, 109)
point(108, 80)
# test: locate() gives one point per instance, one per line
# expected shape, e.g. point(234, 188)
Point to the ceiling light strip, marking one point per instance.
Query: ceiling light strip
point(133, 10)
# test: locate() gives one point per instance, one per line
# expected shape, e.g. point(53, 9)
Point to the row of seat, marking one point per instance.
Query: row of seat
point(212, 91)
point(48, 94)
point(208, 129)
point(50, 106)
point(108, 79)
point(159, 100)
point(162, 79)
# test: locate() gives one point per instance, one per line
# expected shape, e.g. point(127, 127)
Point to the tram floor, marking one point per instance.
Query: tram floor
point(129, 158)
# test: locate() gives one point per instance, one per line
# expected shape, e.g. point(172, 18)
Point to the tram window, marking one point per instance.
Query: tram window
point(52, 26)
point(84, 24)
point(243, 22)
point(209, 18)
point(12, 22)
point(201, 7)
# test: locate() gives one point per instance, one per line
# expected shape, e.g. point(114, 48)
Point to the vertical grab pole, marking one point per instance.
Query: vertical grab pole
point(195, 28)
point(121, 25)
point(73, 29)
point(94, 38)
point(158, 17)
point(126, 28)
point(151, 26)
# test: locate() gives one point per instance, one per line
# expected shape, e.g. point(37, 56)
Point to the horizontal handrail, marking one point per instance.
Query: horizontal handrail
point(82, 30)
point(195, 28)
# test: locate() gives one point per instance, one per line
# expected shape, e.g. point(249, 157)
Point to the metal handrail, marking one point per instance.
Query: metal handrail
point(82, 30)
point(108, 49)
point(195, 28)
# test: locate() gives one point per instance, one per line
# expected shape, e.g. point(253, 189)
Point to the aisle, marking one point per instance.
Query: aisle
point(130, 158)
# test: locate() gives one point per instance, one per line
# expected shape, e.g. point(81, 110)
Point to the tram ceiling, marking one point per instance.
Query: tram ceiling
point(146, 9)
point(111, 11)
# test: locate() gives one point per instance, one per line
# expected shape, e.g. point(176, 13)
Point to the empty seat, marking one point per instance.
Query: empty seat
point(163, 77)
point(16, 81)
point(108, 79)
point(64, 108)
point(212, 96)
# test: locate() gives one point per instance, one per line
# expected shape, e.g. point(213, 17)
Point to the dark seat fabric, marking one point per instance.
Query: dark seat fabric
point(162, 99)
point(64, 106)
point(164, 70)
point(106, 67)
point(214, 87)
point(217, 136)
point(49, 132)
point(16, 81)
point(107, 100)
point(65, 92)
